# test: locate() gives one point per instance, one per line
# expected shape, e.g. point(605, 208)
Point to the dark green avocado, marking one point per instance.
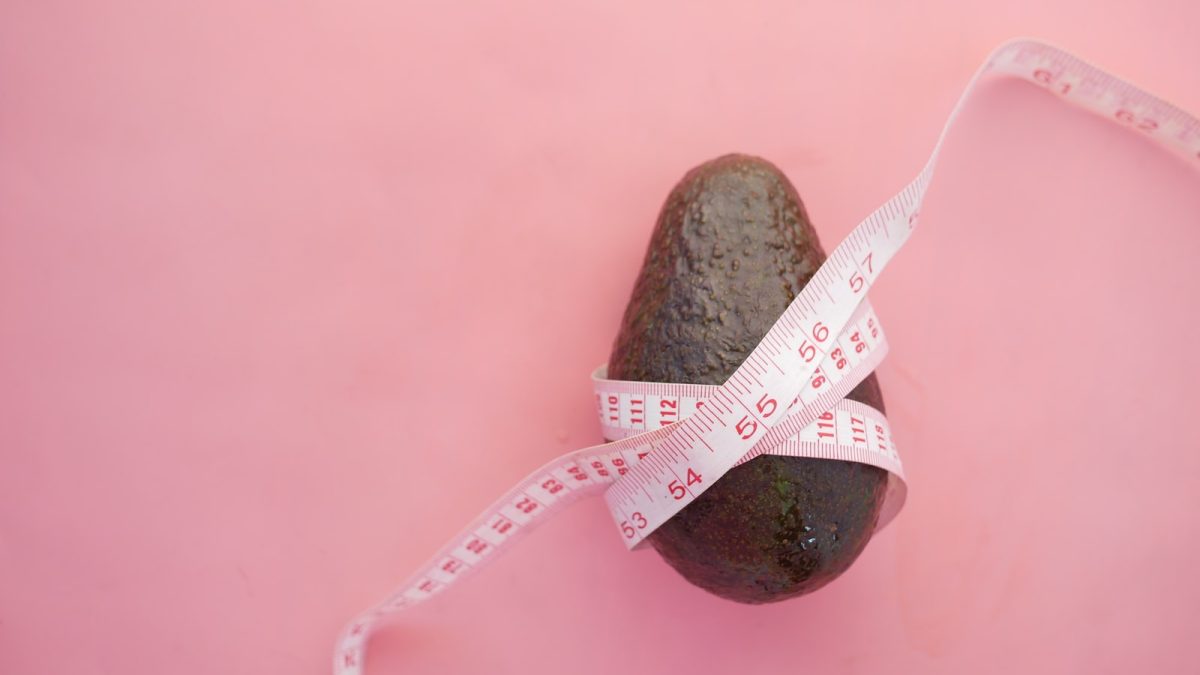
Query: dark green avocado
point(731, 249)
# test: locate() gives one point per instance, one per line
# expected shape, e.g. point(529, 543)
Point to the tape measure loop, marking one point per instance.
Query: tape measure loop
point(652, 468)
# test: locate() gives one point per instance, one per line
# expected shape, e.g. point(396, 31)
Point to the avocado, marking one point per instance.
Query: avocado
point(732, 247)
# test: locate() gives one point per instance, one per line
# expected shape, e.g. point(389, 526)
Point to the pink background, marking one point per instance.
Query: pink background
point(265, 269)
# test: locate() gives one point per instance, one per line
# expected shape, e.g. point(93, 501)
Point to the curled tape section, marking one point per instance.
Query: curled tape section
point(783, 397)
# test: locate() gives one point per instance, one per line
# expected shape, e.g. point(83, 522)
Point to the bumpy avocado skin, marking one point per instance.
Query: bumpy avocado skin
point(732, 247)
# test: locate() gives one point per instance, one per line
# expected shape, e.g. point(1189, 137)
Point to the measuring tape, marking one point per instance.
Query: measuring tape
point(816, 423)
point(673, 441)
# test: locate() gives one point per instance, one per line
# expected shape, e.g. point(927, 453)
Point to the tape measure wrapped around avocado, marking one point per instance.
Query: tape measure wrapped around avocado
point(732, 248)
point(753, 453)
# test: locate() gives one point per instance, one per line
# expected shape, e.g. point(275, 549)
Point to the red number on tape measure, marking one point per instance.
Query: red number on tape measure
point(746, 427)
point(825, 421)
point(677, 490)
point(1145, 124)
point(1047, 78)
point(620, 464)
point(820, 332)
point(857, 282)
point(859, 345)
point(808, 351)
point(667, 407)
point(839, 357)
point(766, 406)
point(638, 519)
point(858, 430)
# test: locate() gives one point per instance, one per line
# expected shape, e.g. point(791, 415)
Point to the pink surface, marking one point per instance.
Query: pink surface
point(237, 242)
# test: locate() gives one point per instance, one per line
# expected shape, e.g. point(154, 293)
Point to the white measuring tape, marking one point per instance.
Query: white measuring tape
point(676, 440)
